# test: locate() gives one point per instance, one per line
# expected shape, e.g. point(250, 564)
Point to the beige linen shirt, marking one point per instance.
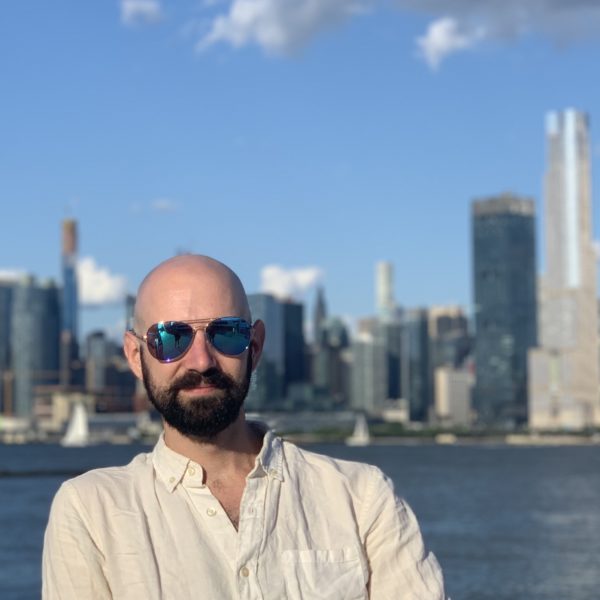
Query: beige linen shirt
point(310, 527)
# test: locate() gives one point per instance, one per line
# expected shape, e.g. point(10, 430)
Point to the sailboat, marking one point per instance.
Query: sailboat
point(360, 436)
point(77, 433)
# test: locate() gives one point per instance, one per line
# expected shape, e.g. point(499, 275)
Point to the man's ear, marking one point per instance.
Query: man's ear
point(258, 341)
point(131, 349)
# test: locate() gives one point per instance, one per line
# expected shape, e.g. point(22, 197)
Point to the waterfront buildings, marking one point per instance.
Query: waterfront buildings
point(565, 378)
point(504, 283)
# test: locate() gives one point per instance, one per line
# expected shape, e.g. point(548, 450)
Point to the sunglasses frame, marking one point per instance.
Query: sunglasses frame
point(196, 325)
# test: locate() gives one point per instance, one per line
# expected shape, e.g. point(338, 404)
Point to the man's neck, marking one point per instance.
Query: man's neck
point(232, 450)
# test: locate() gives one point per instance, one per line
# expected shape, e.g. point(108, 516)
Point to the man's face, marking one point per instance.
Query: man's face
point(202, 415)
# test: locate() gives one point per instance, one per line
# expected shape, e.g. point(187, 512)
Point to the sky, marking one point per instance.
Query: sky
point(298, 141)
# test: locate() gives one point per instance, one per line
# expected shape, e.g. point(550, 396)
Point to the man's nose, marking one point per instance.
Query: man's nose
point(201, 355)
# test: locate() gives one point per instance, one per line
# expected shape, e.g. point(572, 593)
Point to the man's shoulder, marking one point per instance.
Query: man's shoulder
point(108, 481)
point(301, 461)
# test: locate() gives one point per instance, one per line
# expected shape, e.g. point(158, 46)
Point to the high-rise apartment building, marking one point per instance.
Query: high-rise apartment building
point(69, 349)
point(369, 376)
point(384, 291)
point(564, 383)
point(504, 283)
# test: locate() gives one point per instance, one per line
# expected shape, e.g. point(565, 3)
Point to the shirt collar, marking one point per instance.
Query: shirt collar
point(270, 458)
point(171, 467)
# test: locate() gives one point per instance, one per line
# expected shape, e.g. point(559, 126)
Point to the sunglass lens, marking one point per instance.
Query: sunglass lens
point(168, 340)
point(229, 335)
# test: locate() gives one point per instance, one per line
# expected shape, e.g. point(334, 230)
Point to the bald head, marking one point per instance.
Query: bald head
point(189, 287)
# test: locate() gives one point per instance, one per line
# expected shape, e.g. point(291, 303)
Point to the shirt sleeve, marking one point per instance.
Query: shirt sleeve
point(72, 562)
point(400, 567)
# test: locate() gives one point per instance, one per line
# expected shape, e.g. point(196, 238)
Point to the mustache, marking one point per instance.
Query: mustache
point(192, 379)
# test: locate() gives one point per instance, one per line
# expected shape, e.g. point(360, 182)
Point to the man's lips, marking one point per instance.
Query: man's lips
point(203, 388)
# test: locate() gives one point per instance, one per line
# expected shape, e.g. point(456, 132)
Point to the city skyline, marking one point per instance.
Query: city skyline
point(359, 142)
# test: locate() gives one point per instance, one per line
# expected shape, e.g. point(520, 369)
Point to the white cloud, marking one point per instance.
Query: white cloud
point(461, 24)
point(282, 26)
point(140, 11)
point(97, 285)
point(11, 275)
point(289, 283)
point(164, 205)
point(278, 26)
point(446, 36)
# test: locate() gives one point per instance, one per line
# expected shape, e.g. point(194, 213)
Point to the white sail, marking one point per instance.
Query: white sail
point(77, 433)
point(360, 436)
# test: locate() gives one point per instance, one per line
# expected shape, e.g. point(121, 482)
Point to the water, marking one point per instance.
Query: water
point(505, 522)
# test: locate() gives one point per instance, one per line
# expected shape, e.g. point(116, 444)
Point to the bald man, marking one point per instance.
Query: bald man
point(223, 508)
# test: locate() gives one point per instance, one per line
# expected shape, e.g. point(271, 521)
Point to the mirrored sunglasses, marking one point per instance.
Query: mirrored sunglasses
point(169, 341)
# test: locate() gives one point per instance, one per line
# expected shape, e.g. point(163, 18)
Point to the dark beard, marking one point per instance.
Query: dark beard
point(204, 416)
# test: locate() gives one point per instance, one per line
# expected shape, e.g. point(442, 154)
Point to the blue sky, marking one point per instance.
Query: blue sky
point(318, 137)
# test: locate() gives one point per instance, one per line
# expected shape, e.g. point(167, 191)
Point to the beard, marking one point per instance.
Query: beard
point(199, 416)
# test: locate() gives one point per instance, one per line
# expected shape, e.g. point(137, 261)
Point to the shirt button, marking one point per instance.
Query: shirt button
point(211, 512)
point(171, 479)
point(244, 571)
point(191, 471)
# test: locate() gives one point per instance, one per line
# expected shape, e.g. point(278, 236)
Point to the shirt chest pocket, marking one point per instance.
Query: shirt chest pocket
point(324, 574)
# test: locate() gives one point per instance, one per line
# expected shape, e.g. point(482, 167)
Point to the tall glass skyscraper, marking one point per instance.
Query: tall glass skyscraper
point(35, 323)
point(504, 283)
point(266, 390)
point(416, 374)
point(564, 383)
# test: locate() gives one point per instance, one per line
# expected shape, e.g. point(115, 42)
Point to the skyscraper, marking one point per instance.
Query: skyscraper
point(384, 291)
point(564, 384)
point(293, 342)
point(416, 376)
point(266, 390)
point(69, 349)
point(369, 377)
point(319, 315)
point(330, 375)
point(504, 283)
point(6, 297)
point(35, 324)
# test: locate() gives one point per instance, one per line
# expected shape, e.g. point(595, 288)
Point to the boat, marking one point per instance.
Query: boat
point(78, 433)
point(360, 436)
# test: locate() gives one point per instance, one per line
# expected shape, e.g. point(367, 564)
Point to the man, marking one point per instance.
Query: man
point(223, 508)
